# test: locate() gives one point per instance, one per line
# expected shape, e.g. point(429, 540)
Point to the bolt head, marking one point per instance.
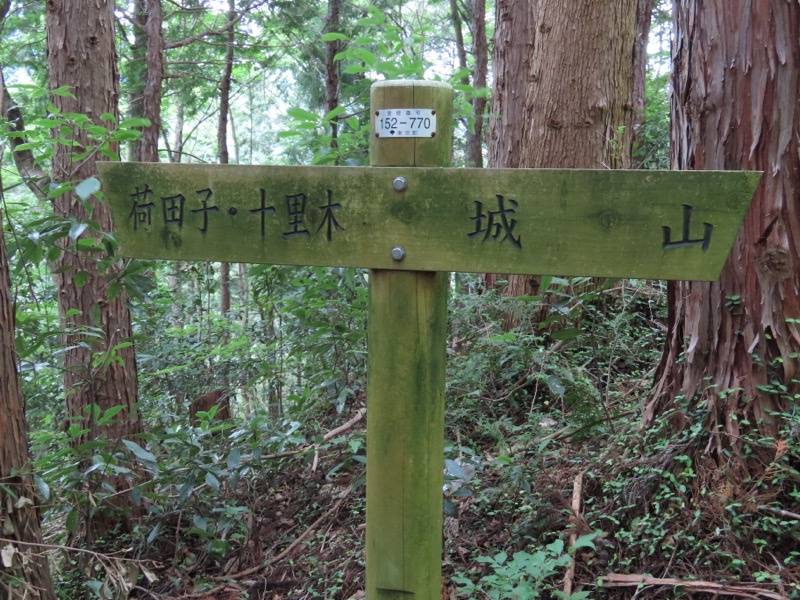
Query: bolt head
point(398, 253)
point(399, 184)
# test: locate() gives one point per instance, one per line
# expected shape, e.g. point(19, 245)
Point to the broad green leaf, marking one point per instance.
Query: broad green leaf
point(556, 385)
point(64, 90)
point(302, 114)
point(212, 481)
point(566, 334)
point(87, 187)
point(81, 278)
point(333, 37)
point(134, 122)
point(139, 452)
point(76, 229)
point(234, 459)
point(335, 113)
point(44, 489)
point(109, 415)
point(585, 541)
point(72, 521)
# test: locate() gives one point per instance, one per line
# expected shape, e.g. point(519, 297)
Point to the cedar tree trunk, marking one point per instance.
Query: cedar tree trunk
point(563, 92)
point(28, 574)
point(99, 362)
point(733, 344)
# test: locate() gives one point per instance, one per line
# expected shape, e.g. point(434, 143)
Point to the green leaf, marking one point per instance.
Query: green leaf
point(109, 415)
point(333, 37)
point(76, 229)
point(64, 90)
point(556, 385)
point(87, 187)
point(212, 481)
point(72, 520)
point(568, 333)
point(335, 113)
point(46, 123)
point(134, 122)
point(585, 541)
point(81, 278)
point(140, 452)
point(302, 114)
point(44, 489)
point(234, 459)
point(153, 533)
point(114, 290)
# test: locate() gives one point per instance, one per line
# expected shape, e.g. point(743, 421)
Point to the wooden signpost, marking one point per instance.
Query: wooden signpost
point(411, 221)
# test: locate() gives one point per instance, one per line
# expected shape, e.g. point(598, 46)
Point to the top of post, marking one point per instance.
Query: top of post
point(411, 124)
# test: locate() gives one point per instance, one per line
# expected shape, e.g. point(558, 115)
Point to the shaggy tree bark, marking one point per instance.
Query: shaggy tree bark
point(28, 575)
point(99, 362)
point(563, 92)
point(146, 92)
point(733, 344)
point(644, 14)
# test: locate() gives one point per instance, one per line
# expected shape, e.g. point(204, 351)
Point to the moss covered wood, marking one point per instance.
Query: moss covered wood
point(606, 223)
point(406, 341)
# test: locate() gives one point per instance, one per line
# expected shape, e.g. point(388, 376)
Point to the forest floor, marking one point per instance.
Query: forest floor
point(305, 527)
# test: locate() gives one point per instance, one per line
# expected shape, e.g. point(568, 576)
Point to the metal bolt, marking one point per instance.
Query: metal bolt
point(398, 253)
point(399, 184)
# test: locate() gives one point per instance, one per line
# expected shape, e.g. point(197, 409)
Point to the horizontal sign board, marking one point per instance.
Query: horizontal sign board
point(605, 223)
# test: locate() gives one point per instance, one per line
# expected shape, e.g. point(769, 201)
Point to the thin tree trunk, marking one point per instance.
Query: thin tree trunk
point(332, 47)
point(644, 14)
point(99, 365)
point(733, 345)
point(514, 37)
point(176, 155)
point(480, 55)
point(147, 144)
point(28, 575)
point(224, 159)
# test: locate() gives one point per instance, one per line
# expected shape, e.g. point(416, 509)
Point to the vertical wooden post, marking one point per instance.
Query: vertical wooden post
point(406, 334)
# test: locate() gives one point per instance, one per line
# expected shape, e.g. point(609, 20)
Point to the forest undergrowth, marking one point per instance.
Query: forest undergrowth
point(553, 488)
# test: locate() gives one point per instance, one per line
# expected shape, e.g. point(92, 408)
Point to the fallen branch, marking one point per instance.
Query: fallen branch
point(577, 491)
point(780, 512)
point(741, 591)
point(334, 432)
point(226, 579)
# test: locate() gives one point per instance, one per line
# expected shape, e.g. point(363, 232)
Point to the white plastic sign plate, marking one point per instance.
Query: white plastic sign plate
point(405, 122)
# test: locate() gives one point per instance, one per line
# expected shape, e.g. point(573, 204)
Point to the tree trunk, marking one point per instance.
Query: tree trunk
point(480, 55)
point(644, 14)
point(151, 20)
point(28, 576)
point(733, 344)
point(332, 24)
point(563, 89)
point(99, 365)
point(514, 38)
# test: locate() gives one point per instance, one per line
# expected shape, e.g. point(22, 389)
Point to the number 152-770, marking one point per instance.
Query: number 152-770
point(405, 122)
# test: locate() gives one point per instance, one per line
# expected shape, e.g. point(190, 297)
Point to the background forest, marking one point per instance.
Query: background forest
point(604, 438)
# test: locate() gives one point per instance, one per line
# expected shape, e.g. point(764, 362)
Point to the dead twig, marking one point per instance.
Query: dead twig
point(740, 591)
point(577, 492)
point(334, 432)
